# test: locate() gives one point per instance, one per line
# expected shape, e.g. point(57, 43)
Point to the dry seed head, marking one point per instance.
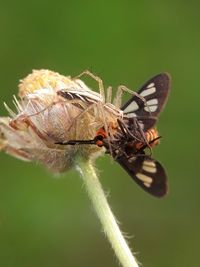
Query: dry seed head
point(40, 79)
point(44, 118)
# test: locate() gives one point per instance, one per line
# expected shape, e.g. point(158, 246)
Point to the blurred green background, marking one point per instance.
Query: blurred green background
point(49, 222)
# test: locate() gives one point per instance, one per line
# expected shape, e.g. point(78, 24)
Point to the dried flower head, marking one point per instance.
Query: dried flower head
point(44, 117)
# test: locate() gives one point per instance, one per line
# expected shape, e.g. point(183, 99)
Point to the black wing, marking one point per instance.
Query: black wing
point(147, 173)
point(154, 94)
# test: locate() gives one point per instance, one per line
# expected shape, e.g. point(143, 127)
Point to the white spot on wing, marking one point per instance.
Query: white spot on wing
point(144, 178)
point(152, 102)
point(152, 105)
point(148, 92)
point(151, 108)
point(133, 106)
point(151, 85)
point(149, 166)
point(149, 163)
point(131, 115)
point(149, 169)
point(147, 185)
point(132, 159)
point(141, 125)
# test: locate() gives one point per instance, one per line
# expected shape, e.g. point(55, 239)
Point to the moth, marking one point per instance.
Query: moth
point(136, 133)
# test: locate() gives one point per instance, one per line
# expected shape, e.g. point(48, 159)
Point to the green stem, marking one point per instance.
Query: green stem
point(108, 221)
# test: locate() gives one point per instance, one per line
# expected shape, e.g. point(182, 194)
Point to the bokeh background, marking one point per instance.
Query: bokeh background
point(49, 222)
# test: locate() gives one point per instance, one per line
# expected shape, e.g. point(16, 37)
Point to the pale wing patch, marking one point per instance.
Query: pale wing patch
point(152, 105)
point(132, 159)
point(151, 85)
point(132, 107)
point(151, 109)
point(148, 91)
point(131, 115)
point(147, 185)
point(152, 102)
point(149, 166)
point(144, 178)
point(149, 163)
point(141, 125)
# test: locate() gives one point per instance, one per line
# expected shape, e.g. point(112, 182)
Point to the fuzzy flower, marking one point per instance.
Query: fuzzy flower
point(44, 118)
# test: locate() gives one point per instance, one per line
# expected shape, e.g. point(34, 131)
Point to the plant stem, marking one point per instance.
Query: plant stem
point(101, 206)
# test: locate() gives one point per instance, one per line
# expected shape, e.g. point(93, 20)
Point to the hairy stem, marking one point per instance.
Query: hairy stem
point(108, 221)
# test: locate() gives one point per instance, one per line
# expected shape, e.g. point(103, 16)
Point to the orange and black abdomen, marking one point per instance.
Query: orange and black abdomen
point(152, 139)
